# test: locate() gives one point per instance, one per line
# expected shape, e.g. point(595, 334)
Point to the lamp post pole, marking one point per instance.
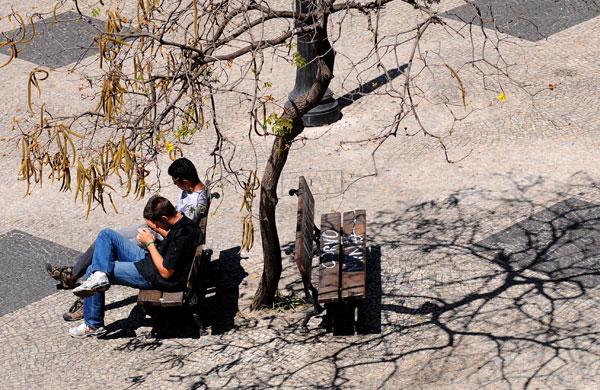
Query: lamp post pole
point(328, 110)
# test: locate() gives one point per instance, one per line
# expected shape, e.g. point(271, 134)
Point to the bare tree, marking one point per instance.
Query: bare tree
point(163, 63)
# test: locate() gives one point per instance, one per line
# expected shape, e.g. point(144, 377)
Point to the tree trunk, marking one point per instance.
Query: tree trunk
point(268, 227)
point(293, 112)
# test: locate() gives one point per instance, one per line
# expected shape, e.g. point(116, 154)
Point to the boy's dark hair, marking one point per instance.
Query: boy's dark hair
point(158, 207)
point(184, 169)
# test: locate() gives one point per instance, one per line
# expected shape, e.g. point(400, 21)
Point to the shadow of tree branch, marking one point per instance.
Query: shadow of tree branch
point(466, 295)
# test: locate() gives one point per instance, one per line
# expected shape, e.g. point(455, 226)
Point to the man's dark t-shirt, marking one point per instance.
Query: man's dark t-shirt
point(177, 250)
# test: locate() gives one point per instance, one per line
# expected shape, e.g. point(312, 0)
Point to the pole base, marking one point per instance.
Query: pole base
point(327, 112)
point(324, 114)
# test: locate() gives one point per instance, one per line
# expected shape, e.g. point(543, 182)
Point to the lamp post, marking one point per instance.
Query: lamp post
point(328, 110)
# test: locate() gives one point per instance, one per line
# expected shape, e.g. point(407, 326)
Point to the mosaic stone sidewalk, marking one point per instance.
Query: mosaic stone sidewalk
point(482, 273)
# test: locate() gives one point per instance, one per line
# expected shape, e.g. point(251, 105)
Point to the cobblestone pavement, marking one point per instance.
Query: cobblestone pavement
point(482, 273)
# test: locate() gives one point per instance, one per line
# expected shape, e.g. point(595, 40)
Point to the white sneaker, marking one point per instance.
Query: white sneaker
point(83, 330)
point(98, 281)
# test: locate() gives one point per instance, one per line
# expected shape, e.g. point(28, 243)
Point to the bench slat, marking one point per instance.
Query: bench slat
point(149, 297)
point(354, 254)
point(329, 261)
point(305, 227)
point(171, 299)
point(195, 268)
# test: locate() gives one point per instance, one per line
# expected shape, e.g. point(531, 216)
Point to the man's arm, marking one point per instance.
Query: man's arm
point(157, 259)
point(194, 205)
point(161, 231)
point(147, 239)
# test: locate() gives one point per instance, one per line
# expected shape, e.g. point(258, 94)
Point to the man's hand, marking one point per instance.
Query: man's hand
point(144, 236)
point(162, 232)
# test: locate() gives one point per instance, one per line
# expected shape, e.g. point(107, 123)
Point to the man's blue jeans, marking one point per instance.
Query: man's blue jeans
point(84, 260)
point(116, 256)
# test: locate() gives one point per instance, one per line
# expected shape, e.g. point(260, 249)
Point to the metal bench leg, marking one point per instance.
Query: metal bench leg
point(340, 318)
point(159, 329)
point(195, 306)
point(315, 298)
point(317, 309)
point(200, 324)
point(328, 317)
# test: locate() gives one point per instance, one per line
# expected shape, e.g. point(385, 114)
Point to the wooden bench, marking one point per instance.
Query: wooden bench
point(342, 259)
point(151, 300)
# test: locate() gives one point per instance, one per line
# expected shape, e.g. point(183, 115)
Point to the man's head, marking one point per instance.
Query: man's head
point(184, 174)
point(159, 212)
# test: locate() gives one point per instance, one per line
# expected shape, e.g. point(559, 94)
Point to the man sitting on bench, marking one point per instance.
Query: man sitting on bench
point(192, 203)
point(165, 265)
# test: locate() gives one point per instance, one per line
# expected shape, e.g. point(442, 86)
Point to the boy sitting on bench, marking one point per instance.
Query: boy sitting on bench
point(192, 203)
point(116, 260)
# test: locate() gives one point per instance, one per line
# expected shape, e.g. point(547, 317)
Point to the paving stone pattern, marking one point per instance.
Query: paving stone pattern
point(23, 278)
point(532, 20)
point(445, 312)
point(323, 181)
point(58, 42)
point(562, 241)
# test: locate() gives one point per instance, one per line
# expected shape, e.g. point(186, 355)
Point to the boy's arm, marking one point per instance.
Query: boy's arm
point(147, 239)
point(163, 233)
point(194, 209)
point(157, 259)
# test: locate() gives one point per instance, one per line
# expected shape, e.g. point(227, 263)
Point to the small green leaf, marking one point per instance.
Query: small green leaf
point(96, 12)
point(298, 60)
point(279, 126)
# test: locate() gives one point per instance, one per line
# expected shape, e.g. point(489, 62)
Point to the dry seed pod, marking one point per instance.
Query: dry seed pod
point(244, 233)
point(34, 81)
point(128, 182)
point(80, 180)
point(113, 203)
point(11, 56)
point(66, 178)
point(247, 233)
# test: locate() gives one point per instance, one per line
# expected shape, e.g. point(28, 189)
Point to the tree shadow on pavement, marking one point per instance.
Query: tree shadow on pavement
point(514, 307)
point(217, 311)
point(477, 288)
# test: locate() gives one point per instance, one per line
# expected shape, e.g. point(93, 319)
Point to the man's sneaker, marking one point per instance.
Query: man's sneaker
point(75, 311)
point(62, 274)
point(83, 330)
point(97, 282)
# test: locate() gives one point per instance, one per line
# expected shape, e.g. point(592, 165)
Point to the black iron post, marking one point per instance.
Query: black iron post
point(328, 110)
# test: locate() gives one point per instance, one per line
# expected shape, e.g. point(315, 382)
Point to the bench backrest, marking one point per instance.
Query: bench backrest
point(354, 254)
point(342, 248)
point(343, 255)
point(305, 227)
point(329, 258)
point(202, 223)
